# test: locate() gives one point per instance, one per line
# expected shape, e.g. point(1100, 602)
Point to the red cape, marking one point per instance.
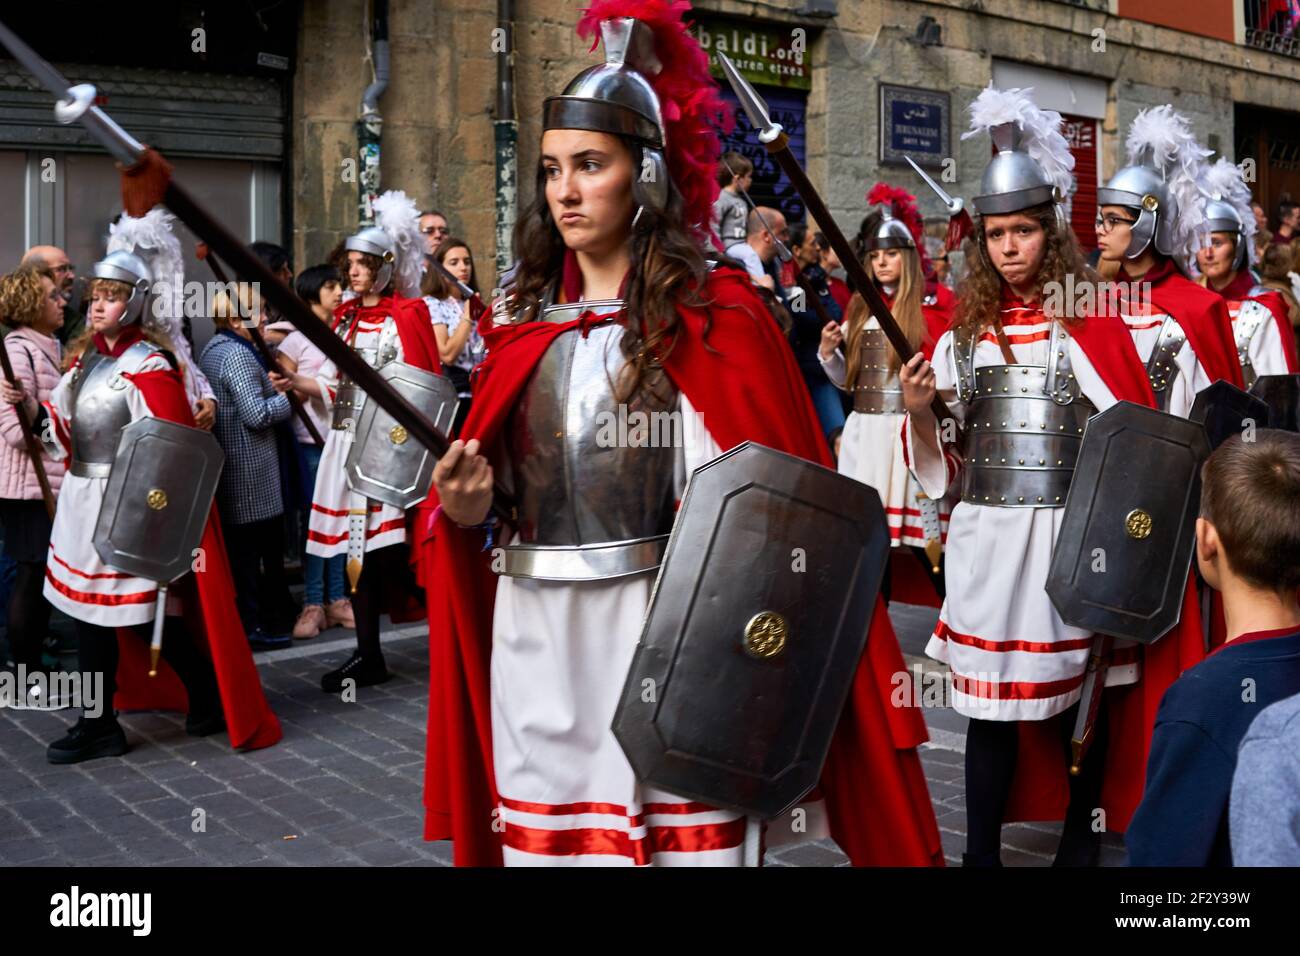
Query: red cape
point(419, 348)
point(208, 596)
point(1040, 790)
point(1203, 315)
point(1240, 288)
point(875, 790)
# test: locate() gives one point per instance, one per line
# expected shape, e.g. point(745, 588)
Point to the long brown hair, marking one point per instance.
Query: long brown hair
point(668, 269)
point(906, 308)
point(979, 296)
point(437, 285)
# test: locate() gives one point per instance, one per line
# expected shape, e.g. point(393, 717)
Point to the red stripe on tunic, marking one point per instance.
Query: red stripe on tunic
point(391, 524)
point(337, 514)
point(111, 600)
point(607, 842)
point(117, 575)
point(944, 633)
point(1014, 690)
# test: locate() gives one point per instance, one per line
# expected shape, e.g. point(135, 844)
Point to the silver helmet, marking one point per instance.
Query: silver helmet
point(375, 242)
point(891, 233)
point(128, 268)
point(1221, 216)
point(616, 97)
point(1159, 182)
point(1142, 187)
point(1012, 180)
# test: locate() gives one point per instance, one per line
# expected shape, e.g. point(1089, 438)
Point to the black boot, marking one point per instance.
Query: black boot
point(981, 859)
point(206, 723)
point(88, 740)
point(365, 670)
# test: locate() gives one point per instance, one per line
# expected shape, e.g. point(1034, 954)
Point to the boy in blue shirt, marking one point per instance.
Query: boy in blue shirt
point(1248, 548)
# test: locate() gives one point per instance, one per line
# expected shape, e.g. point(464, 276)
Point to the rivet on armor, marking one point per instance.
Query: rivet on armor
point(1005, 370)
point(1004, 461)
point(1004, 388)
point(397, 435)
point(1042, 461)
point(1137, 523)
point(1021, 461)
point(1004, 424)
point(1003, 499)
point(1022, 424)
point(1021, 499)
point(156, 499)
point(765, 634)
point(1024, 388)
point(1040, 499)
point(1058, 497)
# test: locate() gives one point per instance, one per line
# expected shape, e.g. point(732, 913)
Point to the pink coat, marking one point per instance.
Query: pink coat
point(36, 362)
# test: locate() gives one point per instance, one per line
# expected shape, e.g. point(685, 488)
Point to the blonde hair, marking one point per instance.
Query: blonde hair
point(907, 312)
point(22, 297)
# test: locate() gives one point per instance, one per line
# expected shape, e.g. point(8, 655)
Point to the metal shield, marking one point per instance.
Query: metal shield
point(158, 499)
point(755, 628)
point(1281, 393)
point(1120, 562)
point(386, 463)
point(1225, 410)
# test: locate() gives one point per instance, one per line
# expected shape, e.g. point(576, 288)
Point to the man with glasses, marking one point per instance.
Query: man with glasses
point(433, 226)
point(65, 275)
point(1182, 331)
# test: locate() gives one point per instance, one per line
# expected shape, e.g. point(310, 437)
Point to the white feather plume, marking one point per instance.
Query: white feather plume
point(397, 215)
point(1167, 136)
point(1040, 131)
point(1223, 180)
point(152, 239)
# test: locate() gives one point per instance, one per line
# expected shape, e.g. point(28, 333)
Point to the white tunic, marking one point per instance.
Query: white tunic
point(333, 499)
point(1011, 655)
point(1264, 346)
point(1144, 322)
point(871, 451)
point(560, 654)
point(77, 582)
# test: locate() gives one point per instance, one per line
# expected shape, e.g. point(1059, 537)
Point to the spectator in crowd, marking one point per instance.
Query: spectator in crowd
point(817, 308)
point(1275, 269)
point(31, 302)
point(275, 258)
point(65, 277)
point(249, 497)
point(758, 251)
point(831, 264)
point(433, 227)
point(325, 600)
point(1261, 217)
point(455, 324)
point(1288, 221)
point(1248, 549)
point(735, 175)
point(1264, 809)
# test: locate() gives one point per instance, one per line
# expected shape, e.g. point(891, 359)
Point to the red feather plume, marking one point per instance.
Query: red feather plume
point(693, 110)
point(902, 205)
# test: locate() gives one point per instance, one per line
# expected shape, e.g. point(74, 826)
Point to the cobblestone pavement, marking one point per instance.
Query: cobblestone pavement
point(342, 787)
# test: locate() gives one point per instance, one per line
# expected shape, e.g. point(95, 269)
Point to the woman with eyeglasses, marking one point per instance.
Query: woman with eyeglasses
point(1147, 222)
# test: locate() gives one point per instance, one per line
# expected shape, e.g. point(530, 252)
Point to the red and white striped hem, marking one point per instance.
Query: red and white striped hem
point(611, 831)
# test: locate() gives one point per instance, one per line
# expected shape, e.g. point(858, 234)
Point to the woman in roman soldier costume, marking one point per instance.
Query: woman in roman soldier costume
point(124, 370)
point(614, 309)
point(386, 322)
point(1150, 212)
point(871, 448)
point(1261, 322)
point(1024, 383)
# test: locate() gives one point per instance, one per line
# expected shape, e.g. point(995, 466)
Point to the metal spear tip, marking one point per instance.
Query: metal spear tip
point(750, 101)
point(954, 205)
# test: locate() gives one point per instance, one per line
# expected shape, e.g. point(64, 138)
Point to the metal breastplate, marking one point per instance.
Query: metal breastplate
point(100, 410)
point(349, 398)
point(1025, 426)
point(593, 479)
point(1250, 317)
point(876, 389)
point(1162, 366)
